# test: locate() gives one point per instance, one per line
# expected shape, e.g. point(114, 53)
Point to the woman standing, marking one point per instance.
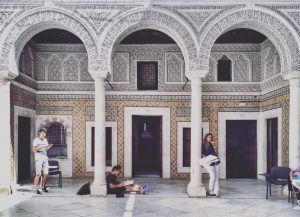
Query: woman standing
point(209, 148)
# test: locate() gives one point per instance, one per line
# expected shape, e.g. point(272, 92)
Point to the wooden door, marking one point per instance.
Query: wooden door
point(241, 145)
point(272, 143)
point(146, 141)
point(24, 149)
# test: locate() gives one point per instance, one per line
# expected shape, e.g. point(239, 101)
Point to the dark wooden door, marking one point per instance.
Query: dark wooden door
point(272, 143)
point(146, 141)
point(24, 149)
point(241, 145)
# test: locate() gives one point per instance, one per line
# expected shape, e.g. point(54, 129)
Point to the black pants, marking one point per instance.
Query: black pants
point(119, 192)
point(297, 192)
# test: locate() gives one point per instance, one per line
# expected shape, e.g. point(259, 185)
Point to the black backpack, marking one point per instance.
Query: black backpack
point(85, 189)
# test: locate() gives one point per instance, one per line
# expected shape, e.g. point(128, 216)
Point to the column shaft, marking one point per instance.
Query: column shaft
point(5, 176)
point(99, 185)
point(195, 187)
point(294, 123)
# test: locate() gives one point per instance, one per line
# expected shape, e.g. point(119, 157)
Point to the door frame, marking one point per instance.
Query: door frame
point(261, 118)
point(20, 111)
point(166, 143)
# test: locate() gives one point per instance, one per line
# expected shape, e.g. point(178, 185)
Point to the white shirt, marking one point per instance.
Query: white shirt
point(42, 152)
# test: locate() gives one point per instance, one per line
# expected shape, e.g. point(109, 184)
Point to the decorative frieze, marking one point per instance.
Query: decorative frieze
point(110, 111)
point(186, 112)
point(40, 108)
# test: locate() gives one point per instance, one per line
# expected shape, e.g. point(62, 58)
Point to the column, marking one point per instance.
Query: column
point(294, 119)
point(99, 185)
point(195, 187)
point(5, 176)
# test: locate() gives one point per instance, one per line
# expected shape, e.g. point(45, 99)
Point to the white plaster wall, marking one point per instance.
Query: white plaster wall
point(20, 111)
point(147, 111)
point(88, 130)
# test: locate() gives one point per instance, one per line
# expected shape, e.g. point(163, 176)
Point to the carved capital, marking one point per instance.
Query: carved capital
point(291, 75)
point(197, 74)
point(6, 76)
point(99, 74)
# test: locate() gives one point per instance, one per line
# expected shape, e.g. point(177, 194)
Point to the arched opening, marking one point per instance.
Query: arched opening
point(147, 60)
point(246, 58)
point(52, 60)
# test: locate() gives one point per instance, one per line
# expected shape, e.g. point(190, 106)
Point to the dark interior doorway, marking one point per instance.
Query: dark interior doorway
point(146, 146)
point(24, 149)
point(272, 143)
point(241, 145)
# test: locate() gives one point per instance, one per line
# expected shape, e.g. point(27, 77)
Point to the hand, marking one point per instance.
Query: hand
point(49, 146)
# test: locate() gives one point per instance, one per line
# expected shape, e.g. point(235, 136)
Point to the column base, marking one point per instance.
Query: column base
point(5, 190)
point(98, 190)
point(196, 191)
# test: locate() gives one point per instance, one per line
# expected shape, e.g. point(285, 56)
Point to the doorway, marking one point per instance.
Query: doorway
point(272, 143)
point(146, 146)
point(24, 149)
point(241, 149)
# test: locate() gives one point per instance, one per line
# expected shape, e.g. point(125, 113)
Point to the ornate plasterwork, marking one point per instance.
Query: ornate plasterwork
point(22, 29)
point(121, 67)
point(156, 19)
point(280, 34)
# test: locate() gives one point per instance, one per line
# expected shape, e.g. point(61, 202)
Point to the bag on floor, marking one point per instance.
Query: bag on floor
point(85, 189)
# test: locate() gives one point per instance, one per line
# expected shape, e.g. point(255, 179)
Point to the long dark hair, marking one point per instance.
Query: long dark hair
point(205, 142)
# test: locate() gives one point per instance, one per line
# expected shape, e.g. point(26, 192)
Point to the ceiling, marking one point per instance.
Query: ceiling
point(56, 36)
point(147, 36)
point(241, 36)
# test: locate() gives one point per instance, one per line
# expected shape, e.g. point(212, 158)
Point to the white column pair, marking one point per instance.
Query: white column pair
point(195, 187)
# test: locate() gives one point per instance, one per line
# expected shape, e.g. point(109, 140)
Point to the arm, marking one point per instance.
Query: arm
point(215, 148)
point(111, 185)
point(292, 174)
point(49, 146)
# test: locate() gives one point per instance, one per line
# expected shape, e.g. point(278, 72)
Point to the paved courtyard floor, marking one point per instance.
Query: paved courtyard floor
point(165, 198)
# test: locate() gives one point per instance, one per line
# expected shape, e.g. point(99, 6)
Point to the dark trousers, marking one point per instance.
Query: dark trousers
point(119, 192)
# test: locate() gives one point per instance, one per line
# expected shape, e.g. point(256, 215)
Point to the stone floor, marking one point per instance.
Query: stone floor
point(165, 198)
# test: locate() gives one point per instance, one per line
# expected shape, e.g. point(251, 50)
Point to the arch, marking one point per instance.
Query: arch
point(19, 32)
point(158, 19)
point(282, 35)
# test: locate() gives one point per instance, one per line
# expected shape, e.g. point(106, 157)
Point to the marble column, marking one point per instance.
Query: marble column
point(195, 187)
point(294, 119)
point(99, 185)
point(5, 172)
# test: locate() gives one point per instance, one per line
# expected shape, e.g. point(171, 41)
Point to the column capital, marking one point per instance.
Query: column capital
point(197, 74)
point(6, 76)
point(291, 75)
point(99, 74)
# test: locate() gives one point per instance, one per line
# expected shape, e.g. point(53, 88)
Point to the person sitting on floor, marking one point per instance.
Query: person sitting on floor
point(296, 190)
point(114, 186)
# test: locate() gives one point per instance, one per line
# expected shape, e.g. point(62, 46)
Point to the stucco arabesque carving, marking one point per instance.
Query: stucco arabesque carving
point(273, 28)
point(31, 22)
point(156, 19)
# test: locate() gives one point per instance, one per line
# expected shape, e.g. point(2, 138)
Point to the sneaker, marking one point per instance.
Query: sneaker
point(297, 208)
point(37, 192)
point(45, 190)
point(146, 186)
point(211, 194)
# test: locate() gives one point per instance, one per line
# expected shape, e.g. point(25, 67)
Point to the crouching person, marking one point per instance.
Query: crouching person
point(114, 186)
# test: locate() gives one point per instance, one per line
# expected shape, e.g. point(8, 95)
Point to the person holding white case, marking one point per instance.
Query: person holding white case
point(208, 148)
